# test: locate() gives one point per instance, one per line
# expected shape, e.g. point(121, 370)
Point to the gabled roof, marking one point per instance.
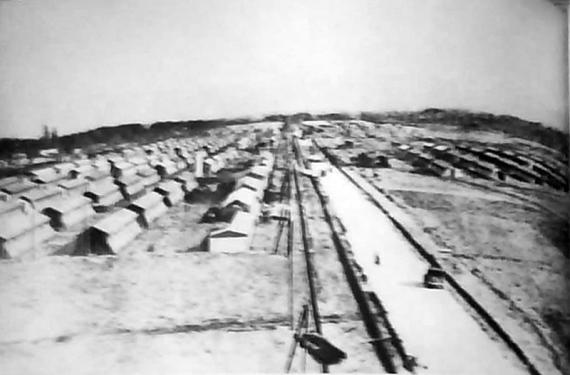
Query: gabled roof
point(69, 203)
point(242, 225)
point(103, 187)
point(70, 184)
point(41, 193)
point(20, 222)
point(115, 159)
point(128, 180)
point(96, 174)
point(148, 200)
point(251, 183)
point(63, 168)
point(315, 157)
point(242, 195)
point(46, 175)
point(82, 162)
point(137, 160)
point(9, 180)
point(259, 170)
point(116, 221)
point(185, 177)
point(169, 187)
point(147, 172)
point(84, 169)
point(11, 205)
point(123, 165)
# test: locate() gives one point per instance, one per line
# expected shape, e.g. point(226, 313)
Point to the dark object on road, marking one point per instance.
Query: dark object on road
point(434, 278)
point(321, 349)
point(376, 259)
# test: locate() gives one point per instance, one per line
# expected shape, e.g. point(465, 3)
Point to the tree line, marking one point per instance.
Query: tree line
point(91, 140)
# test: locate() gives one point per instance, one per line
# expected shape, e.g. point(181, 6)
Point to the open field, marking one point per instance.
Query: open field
point(516, 247)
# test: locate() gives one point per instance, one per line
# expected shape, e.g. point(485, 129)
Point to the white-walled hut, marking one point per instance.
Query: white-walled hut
point(97, 175)
point(102, 165)
point(4, 197)
point(246, 199)
point(139, 162)
point(171, 191)
point(76, 186)
point(22, 229)
point(181, 164)
point(104, 193)
point(81, 171)
point(234, 238)
point(5, 182)
point(42, 196)
point(123, 169)
point(64, 168)
point(165, 168)
point(113, 159)
point(279, 211)
point(45, 175)
point(149, 176)
point(130, 186)
point(187, 180)
point(12, 206)
point(9, 181)
point(69, 211)
point(318, 164)
point(267, 159)
point(82, 162)
point(111, 234)
point(18, 188)
point(252, 183)
point(149, 207)
point(260, 172)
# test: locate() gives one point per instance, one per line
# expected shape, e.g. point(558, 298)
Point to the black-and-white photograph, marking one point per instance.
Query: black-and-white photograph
point(284, 186)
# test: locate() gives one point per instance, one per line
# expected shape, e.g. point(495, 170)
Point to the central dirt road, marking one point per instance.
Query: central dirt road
point(433, 325)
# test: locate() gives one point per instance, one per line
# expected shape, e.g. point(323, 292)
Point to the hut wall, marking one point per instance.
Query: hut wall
point(69, 212)
point(77, 215)
point(149, 207)
point(150, 180)
point(112, 241)
point(35, 229)
point(171, 191)
point(132, 189)
point(104, 193)
point(230, 244)
point(42, 199)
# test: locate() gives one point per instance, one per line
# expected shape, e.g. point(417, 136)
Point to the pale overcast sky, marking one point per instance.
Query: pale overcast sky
point(79, 64)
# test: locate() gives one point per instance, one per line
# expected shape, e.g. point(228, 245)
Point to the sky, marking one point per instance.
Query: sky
point(79, 64)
